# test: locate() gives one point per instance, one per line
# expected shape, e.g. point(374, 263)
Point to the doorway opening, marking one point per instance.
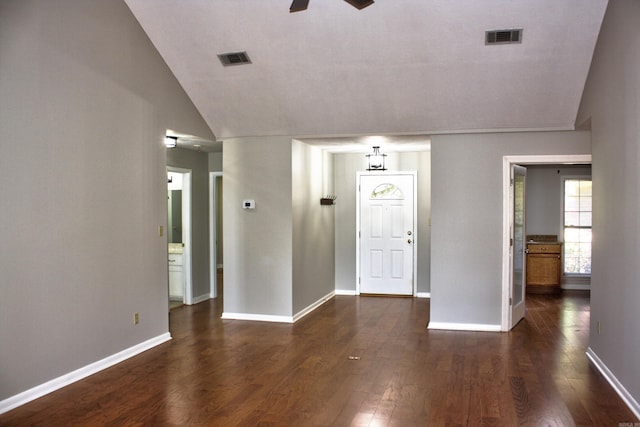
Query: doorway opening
point(215, 234)
point(179, 236)
point(510, 313)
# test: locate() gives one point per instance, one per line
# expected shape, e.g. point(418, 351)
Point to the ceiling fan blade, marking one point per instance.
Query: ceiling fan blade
point(360, 4)
point(298, 5)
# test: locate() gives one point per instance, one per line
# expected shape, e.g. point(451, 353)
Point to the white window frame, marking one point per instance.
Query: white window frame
point(564, 178)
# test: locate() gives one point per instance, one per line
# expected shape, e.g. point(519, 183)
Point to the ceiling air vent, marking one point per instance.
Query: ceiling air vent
point(503, 36)
point(234, 58)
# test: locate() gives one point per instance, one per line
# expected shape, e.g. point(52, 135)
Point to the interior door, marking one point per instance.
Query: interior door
point(387, 234)
point(518, 264)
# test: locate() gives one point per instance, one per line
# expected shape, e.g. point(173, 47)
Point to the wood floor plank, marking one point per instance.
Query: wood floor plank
point(366, 361)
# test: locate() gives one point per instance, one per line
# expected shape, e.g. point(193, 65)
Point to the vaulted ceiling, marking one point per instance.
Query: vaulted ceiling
point(397, 67)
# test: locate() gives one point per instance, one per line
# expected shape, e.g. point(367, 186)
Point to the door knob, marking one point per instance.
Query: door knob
point(409, 241)
point(409, 233)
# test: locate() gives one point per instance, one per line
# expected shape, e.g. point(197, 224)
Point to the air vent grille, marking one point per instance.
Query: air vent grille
point(503, 36)
point(234, 58)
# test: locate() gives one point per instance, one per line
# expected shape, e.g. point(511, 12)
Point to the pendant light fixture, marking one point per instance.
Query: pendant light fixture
point(170, 141)
point(376, 160)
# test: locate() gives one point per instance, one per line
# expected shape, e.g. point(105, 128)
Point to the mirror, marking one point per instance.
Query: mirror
point(175, 217)
point(174, 206)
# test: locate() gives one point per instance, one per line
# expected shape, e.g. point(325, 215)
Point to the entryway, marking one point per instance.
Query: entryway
point(513, 295)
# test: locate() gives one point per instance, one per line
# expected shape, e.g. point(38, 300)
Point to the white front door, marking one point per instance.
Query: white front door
point(387, 233)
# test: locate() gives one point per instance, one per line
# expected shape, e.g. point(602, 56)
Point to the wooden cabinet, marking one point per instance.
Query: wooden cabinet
point(544, 267)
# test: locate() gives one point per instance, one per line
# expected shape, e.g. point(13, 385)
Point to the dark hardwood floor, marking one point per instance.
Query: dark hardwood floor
point(355, 361)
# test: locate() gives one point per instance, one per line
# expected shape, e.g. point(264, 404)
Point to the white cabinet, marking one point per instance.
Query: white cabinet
point(176, 277)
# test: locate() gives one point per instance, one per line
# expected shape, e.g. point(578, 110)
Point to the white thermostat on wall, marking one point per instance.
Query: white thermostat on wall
point(248, 204)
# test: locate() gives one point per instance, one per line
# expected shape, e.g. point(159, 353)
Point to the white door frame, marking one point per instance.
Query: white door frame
point(525, 160)
point(186, 232)
point(213, 255)
point(414, 174)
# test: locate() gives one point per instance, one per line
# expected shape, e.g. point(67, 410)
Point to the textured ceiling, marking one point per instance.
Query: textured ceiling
point(401, 67)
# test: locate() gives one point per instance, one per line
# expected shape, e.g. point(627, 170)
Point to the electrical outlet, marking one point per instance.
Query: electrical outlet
point(136, 318)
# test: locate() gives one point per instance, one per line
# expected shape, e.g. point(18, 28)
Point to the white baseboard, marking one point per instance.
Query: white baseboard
point(64, 380)
point(350, 292)
point(617, 386)
point(279, 319)
point(299, 315)
point(201, 298)
point(473, 327)
point(579, 283)
point(576, 287)
point(257, 317)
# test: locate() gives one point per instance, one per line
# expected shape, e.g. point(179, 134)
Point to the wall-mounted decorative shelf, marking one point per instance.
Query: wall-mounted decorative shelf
point(328, 200)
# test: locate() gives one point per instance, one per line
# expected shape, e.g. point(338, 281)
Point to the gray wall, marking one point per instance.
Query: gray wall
point(544, 195)
point(279, 258)
point(258, 242)
point(215, 162)
point(198, 163)
point(85, 101)
point(313, 225)
point(345, 168)
point(612, 101)
point(466, 227)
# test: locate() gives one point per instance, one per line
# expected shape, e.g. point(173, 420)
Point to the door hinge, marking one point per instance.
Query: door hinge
point(510, 301)
point(511, 242)
point(511, 182)
point(359, 280)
